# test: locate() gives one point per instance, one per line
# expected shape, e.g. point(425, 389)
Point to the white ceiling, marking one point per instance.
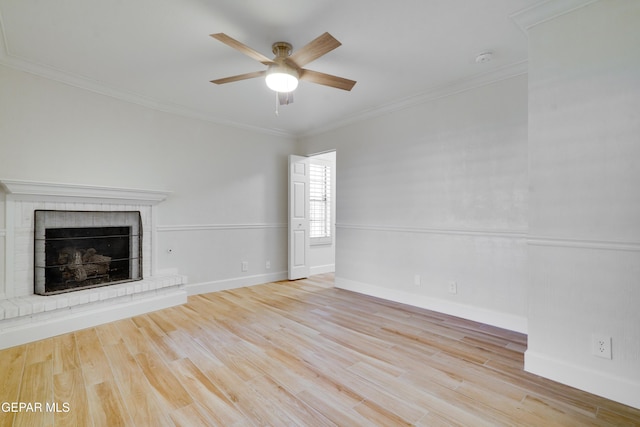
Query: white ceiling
point(159, 53)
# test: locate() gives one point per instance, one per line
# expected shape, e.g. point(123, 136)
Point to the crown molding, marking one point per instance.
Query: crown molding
point(4, 51)
point(81, 82)
point(452, 88)
point(546, 11)
point(12, 61)
point(519, 68)
point(85, 83)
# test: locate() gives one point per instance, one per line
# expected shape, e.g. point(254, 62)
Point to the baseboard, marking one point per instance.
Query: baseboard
point(234, 283)
point(596, 382)
point(469, 312)
point(87, 318)
point(322, 269)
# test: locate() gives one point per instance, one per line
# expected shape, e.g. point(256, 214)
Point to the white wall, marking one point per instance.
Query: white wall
point(228, 201)
point(584, 147)
point(438, 190)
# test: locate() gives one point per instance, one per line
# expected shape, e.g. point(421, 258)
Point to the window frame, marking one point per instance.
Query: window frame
point(327, 199)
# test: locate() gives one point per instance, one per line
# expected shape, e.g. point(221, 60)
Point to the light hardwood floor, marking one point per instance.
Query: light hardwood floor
point(291, 354)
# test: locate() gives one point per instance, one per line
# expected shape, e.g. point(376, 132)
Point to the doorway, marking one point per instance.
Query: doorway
point(312, 212)
point(322, 199)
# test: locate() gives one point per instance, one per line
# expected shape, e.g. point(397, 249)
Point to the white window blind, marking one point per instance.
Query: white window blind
point(320, 203)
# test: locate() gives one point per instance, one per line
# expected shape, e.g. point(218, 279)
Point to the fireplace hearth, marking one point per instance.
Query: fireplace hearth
point(80, 249)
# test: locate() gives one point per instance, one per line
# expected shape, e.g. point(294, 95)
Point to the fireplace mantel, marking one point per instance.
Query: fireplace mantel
point(31, 190)
point(25, 316)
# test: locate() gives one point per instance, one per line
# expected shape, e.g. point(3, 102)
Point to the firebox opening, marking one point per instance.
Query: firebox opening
point(80, 257)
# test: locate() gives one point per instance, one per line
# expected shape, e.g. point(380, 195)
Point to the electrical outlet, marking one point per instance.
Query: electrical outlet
point(416, 280)
point(267, 265)
point(601, 346)
point(245, 265)
point(453, 287)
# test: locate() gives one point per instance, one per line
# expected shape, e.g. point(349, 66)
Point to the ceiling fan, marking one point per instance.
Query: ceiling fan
point(285, 69)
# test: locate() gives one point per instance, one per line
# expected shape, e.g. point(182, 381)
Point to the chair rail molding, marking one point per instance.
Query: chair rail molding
point(516, 233)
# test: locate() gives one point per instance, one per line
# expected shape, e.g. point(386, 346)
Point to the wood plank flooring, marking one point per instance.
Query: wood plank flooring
point(290, 354)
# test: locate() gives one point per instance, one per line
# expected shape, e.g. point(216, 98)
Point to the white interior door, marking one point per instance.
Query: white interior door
point(298, 217)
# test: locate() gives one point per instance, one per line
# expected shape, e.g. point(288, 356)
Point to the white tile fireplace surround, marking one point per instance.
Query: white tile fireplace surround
point(25, 316)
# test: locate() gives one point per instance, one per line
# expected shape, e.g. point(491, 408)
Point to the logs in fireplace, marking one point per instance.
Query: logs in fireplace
point(78, 250)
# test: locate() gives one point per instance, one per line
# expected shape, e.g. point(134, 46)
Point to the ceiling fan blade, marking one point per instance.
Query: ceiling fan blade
point(242, 48)
point(314, 50)
point(326, 79)
point(239, 77)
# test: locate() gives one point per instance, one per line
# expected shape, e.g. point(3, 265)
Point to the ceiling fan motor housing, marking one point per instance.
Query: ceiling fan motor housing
point(281, 49)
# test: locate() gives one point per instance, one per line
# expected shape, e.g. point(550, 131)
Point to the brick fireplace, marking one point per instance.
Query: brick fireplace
point(94, 272)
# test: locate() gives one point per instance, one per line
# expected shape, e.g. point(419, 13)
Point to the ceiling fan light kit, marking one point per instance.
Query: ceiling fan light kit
point(282, 77)
point(285, 70)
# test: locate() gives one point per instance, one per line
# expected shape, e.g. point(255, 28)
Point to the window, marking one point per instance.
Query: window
point(320, 203)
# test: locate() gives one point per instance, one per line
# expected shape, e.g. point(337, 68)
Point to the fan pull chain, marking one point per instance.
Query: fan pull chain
point(277, 104)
